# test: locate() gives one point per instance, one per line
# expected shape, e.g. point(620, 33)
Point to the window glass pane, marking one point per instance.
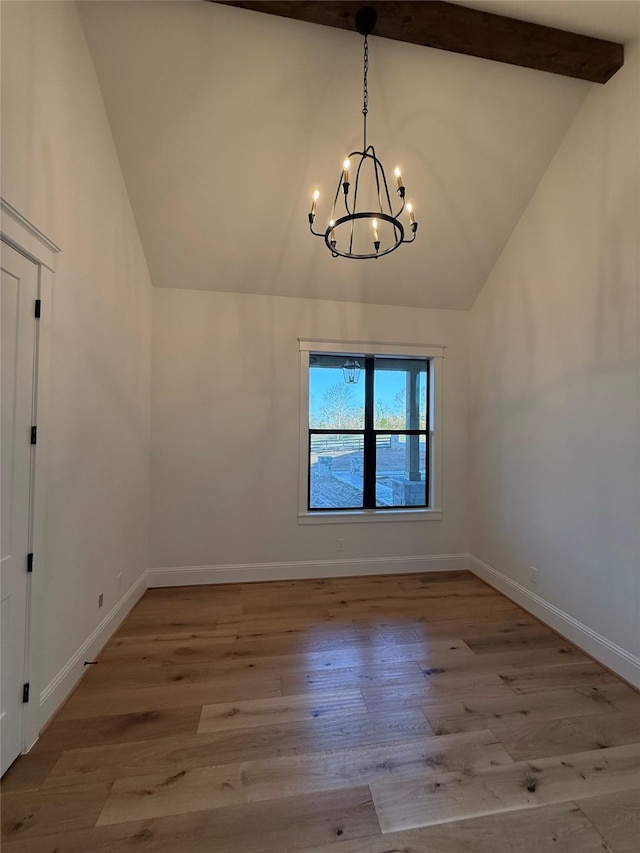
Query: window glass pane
point(336, 467)
point(401, 470)
point(400, 393)
point(336, 392)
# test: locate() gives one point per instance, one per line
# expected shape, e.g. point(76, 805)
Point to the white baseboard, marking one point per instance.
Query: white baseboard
point(614, 657)
point(246, 572)
point(66, 679)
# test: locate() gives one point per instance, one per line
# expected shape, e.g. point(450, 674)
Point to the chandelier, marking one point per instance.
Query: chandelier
point(368, 228)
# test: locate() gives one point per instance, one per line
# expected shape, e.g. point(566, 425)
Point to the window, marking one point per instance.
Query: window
point(367, 432)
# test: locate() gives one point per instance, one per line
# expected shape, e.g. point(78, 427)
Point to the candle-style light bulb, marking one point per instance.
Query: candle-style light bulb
point(398, 173)
point(345, 170)
point(375, 230)
point(316, 196)
point(412, 216)
point(332, 236)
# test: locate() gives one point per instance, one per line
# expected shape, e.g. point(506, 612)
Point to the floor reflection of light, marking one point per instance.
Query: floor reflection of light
point(347, 647)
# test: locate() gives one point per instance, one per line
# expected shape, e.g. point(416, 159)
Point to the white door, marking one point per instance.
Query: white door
point(19, 288)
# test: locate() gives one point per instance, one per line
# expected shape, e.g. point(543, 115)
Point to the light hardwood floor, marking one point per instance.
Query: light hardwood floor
point(390, 714)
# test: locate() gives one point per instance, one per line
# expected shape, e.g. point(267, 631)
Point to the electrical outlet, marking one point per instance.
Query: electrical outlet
point(101, 599)
point(533, 575)
point(340, 545)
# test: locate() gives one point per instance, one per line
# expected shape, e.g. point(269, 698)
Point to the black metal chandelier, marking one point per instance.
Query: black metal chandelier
point(369, 228)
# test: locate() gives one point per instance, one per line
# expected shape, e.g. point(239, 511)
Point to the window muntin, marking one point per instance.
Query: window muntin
point(369, 442)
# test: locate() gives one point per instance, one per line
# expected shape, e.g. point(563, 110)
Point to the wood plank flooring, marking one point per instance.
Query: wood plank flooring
point(387, 714)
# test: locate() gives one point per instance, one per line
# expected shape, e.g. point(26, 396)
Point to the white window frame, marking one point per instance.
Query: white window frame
point(435, 355)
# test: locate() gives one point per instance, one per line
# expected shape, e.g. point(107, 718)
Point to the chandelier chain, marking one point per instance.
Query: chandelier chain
point(365, 90)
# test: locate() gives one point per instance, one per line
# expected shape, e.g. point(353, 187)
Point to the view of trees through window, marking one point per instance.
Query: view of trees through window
point(368, 439)
point(340, 408)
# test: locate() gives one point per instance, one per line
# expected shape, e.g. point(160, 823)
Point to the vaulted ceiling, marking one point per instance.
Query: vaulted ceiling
point(225, 120)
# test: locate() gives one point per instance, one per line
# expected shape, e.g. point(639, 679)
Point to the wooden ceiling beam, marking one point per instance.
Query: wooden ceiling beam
point(447, 26)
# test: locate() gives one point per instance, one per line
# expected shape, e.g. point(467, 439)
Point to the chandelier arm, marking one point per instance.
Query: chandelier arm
point(335, 198)
point(400, 209)
point(362, 155)
point(384, 178)
point(355, 190)
point(355, 208)
point(375, 171)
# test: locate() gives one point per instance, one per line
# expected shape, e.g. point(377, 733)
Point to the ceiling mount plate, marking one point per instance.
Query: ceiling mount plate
point(366, 20)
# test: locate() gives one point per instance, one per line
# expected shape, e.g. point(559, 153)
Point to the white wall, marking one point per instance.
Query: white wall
point(60, 170)
point(555, 430)
point(225, 434)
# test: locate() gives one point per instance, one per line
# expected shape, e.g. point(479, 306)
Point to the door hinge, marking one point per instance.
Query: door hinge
point(38, 308)
point(25, 692)
point(34, 435)
point(29, 562)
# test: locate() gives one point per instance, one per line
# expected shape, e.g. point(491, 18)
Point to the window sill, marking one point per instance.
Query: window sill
point(369, 515)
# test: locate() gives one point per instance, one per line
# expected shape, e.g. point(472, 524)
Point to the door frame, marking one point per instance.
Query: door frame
point(17, 232)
